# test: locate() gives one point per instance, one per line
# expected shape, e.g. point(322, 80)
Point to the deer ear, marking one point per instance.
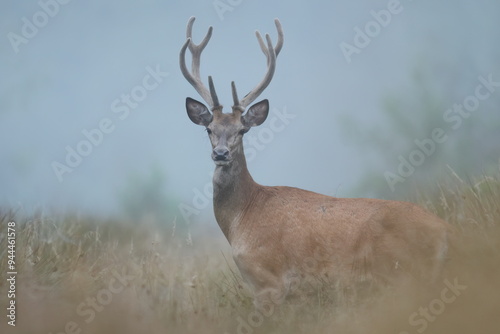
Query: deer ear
point(256, 115)
point(197, 112)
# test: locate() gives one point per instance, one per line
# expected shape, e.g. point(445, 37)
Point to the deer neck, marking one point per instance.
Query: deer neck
point(234, 188)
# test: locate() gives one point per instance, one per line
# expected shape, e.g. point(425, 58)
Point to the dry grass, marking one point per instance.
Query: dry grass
point(143, 279)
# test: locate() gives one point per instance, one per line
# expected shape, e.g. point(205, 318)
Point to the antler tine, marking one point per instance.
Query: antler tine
point(193, 76)
point(271, 53)
point(281, 35)
point(196, 50)
point(279, 43)
point(236, 101)
point(213, 94)
point(271, 66)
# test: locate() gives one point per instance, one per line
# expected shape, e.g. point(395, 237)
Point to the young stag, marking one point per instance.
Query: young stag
point(282, 236)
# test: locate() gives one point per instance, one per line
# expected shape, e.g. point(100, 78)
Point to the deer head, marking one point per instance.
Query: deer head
point(226, 130)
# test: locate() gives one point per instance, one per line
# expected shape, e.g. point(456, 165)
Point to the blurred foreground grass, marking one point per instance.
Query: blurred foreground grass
point(79, 275)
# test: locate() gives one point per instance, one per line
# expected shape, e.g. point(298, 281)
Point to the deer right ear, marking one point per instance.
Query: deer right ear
point(256, 114)
point(197, 112)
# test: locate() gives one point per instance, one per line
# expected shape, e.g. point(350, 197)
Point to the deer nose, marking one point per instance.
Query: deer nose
point(220, 153)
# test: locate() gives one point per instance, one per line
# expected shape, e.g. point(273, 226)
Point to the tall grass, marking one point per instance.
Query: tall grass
point(81, 275)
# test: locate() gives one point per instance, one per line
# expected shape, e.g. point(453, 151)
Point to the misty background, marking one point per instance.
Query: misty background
point(350, 118)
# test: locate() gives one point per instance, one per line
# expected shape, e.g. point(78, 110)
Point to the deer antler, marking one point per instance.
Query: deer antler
point(271, 53)
point(193, 77)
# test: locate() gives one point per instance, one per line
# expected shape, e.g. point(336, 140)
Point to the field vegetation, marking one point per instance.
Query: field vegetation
point(78, 274)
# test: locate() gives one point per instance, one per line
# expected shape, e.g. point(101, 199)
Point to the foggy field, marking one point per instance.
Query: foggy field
point(106, 216)
point(79, 275)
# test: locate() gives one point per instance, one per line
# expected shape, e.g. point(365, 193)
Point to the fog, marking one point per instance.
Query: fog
point(67, 68)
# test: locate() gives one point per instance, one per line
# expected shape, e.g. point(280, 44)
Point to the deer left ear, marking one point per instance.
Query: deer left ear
point(256, 114)
point(197, 112)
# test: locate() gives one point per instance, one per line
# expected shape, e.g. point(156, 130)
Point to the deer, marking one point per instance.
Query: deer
point(280, 236)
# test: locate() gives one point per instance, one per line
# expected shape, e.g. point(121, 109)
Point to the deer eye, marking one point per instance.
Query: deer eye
point(208, 130)
point(243, 131)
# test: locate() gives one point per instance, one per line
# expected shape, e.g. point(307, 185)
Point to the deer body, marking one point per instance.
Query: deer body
point(282, 237)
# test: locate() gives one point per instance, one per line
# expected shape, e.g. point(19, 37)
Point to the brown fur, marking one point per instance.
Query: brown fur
point(282, 236)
